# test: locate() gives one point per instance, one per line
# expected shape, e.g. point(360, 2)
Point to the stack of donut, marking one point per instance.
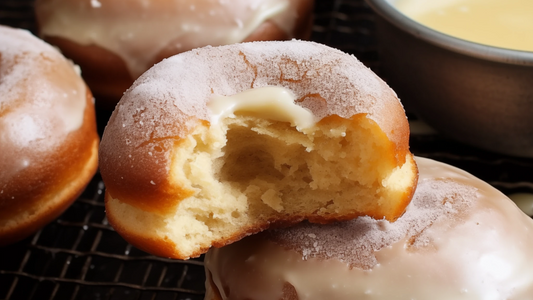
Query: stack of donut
point(48, 138)
point(219, 143)
point(115, 41)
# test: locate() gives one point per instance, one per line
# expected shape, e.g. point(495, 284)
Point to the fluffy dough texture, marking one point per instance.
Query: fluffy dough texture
point(114, 41)
point(459, 239)
point(48, 138)
point(177, 184)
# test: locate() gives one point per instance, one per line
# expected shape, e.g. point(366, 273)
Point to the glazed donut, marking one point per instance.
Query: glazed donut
point(48, 138)
point(459, 239)
point(217, 143)
point(115, 41)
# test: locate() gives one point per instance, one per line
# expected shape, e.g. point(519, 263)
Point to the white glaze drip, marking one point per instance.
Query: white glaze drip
point(43, 99)
point(138, 30)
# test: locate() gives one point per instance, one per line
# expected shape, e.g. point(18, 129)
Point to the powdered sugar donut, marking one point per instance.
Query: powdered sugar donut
point(459, 239)
point(115, 41)
point(220, 142)
point(48, 139)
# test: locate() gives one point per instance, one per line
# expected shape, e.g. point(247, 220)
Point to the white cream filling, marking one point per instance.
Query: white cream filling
point(270, 102)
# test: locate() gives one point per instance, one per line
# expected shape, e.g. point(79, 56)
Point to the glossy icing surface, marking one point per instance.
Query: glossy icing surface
point(127, 28)
point(459, 239)
point(42, 100)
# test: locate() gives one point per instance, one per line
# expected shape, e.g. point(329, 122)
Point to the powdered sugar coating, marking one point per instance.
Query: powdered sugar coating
point(355, 242)
point(43, 99)
point(170, 99)
point(187, 80)
point(19, 49)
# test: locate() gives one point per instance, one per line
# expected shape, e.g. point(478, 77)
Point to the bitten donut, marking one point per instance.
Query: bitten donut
point(218, 143)
point(115, 41)
point(48, 138)
point(459, 239)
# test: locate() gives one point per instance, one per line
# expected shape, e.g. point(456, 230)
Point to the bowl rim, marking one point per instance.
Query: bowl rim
point(508, 56)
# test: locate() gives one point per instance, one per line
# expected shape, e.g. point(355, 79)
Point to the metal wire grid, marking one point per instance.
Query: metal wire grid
point(79, 256)
point(17, 13)
point(508, 174)
point(347, 25)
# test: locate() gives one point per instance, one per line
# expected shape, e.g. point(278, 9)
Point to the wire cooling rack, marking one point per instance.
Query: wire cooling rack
point(79, 256)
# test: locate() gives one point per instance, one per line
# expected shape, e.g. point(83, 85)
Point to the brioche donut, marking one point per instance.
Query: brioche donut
point(217, 143)
point(48, 138)
point(459, 239)
point(115, 41)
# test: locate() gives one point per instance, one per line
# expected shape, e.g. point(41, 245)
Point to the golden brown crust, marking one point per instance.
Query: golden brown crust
point(165, 247)
point(146, 242)
point(48, 187)
point(146, 195)
point(108, 77)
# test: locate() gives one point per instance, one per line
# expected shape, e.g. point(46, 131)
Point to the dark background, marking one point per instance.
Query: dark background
point(79, 256)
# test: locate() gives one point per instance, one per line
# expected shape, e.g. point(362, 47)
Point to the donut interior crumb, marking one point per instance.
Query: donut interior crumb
point(251, 171)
